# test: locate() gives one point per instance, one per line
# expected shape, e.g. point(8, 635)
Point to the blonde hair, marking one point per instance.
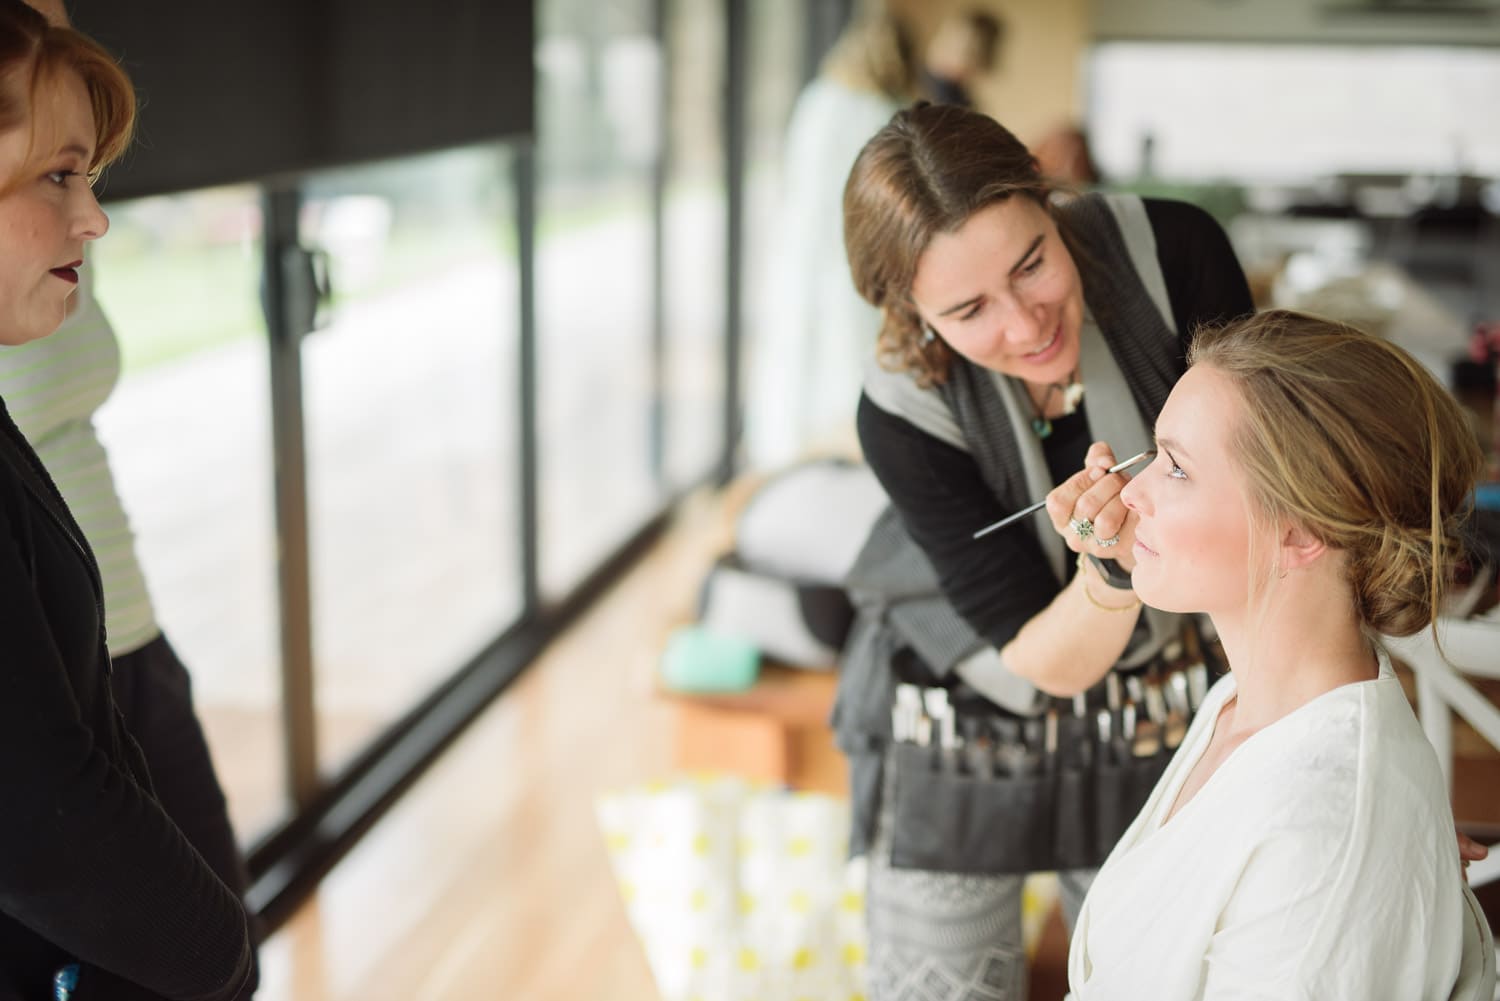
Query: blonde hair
point(36, 54)
point(875, 53)
point(1350, 438)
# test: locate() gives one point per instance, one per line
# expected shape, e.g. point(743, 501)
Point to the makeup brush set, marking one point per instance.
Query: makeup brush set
point(977, 790)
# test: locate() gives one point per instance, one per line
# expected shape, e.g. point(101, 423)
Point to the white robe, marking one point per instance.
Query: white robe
point(1318, 862)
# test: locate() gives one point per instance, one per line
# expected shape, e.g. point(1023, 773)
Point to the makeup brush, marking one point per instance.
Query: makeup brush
point(1149, 453)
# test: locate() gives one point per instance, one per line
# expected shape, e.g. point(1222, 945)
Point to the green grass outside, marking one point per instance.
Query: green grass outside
point(169, 303)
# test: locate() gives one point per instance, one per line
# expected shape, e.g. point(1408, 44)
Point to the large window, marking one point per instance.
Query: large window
point(694, 275)
point(188, 433)
point(349, 529)
point(599, 100)
point(410, 395)
point(778, 40)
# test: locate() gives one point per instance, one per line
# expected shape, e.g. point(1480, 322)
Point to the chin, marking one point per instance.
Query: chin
point(1175, 607)
point(1072, 351)
point(1161, 598)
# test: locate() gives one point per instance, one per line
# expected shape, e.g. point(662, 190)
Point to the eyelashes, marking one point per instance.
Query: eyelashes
point(1026, 272)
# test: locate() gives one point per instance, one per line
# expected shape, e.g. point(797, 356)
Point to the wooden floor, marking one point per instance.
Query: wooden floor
point(490, 879)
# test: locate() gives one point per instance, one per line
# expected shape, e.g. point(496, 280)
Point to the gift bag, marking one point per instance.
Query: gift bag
point(739, 892)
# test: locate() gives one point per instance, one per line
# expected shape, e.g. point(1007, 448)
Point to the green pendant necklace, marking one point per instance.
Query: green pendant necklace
point(1072, 396)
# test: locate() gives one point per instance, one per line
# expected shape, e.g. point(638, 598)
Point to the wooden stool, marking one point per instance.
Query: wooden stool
point(776, 731)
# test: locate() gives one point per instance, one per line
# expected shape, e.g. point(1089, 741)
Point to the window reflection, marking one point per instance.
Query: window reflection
point(598, 79)
point(694, 276)
point(410, 396)
point(188, 434)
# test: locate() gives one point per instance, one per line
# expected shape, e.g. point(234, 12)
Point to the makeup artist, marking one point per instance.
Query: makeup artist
point(1018, 328)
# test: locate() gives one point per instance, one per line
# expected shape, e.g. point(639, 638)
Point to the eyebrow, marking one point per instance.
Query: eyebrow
point(1020, 263)
point(1173, 447)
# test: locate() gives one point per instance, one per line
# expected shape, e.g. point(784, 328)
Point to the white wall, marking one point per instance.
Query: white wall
point(1294, 21)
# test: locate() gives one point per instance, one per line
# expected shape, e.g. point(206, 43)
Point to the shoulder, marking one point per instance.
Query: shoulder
point(1189, 241)
point(1353, 764)
point(892, 401)
point(1172, 218)
point(1204, 279)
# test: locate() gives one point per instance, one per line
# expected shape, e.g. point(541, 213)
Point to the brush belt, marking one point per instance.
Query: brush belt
point(976, 789)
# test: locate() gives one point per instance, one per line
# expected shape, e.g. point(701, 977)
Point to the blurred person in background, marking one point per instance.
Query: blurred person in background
point(1063, 157)
point(964, 49)
point(807, 355)
point(101, 894)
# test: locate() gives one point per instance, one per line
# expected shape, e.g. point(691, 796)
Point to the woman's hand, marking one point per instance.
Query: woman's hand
point(1470, 850)
point(1086, 510)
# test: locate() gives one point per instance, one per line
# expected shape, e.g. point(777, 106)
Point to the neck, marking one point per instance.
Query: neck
point(1052, 399)
point(1304, 640)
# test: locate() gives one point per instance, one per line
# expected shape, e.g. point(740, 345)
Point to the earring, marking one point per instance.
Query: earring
point(928, 334)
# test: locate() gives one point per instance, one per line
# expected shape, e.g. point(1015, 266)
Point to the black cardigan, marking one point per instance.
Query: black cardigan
point(91, 870)
point(1000, 582)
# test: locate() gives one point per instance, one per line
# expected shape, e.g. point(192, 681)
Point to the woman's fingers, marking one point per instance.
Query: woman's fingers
point(1100, 457)
point(1100, 503)
point(1109, 520)
point(1062, 501)
point(1086, 509)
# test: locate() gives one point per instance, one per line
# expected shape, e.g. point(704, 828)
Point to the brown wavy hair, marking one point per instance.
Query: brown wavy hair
point(33, 56)
point(1351, 438)
point(925, 173)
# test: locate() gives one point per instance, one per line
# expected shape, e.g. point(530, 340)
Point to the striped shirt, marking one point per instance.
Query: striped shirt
point(52, 387)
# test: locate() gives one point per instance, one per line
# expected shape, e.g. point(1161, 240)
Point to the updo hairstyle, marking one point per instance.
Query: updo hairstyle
point(1348, 436)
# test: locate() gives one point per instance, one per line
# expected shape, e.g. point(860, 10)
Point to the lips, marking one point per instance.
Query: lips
point(68, 273)
point(1050, 341)
point(1047, 351)
point(1142, 547)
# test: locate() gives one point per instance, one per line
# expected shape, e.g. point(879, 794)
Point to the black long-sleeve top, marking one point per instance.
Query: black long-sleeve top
point(1001, 581)
point(91, 870)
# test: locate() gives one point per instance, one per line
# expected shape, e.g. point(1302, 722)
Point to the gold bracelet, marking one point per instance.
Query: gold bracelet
point(1084, 583)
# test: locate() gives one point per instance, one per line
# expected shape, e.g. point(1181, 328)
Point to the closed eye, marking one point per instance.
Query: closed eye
point(1033, 267)
point(971, 312)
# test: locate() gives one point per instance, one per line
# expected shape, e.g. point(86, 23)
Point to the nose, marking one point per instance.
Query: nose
point(1133, 496)
point(89, 220)
point(1024, 324)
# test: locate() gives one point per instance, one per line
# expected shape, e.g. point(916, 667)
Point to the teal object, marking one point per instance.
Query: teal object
point(700, 660)
point(65, 982)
